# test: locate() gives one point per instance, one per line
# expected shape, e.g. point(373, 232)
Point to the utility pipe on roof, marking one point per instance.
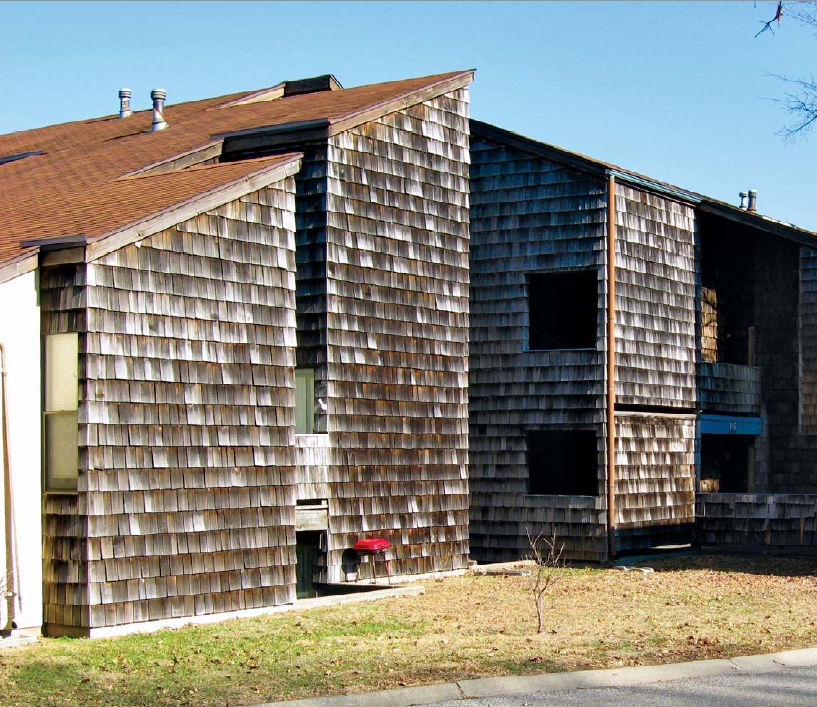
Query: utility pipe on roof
point(124, 103)
point(752, 205)
point(8, 583)
point(611, 367)
point(158, 96)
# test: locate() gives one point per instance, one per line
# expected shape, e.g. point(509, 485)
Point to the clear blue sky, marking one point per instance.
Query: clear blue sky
point(675, 90)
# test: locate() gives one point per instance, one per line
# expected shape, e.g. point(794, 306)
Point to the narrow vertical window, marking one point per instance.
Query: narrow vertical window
point(304, 401)
point(61, 358)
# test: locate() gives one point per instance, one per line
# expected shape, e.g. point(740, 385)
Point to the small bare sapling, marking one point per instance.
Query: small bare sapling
point(546, 553)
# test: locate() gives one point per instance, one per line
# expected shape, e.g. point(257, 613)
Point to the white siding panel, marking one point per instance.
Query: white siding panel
point(20, 336)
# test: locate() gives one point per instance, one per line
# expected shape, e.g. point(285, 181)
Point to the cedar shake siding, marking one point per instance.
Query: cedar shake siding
point(656, 281)
point(529, 217)
point(777, 290)
point(397, 334)
point(656, 285)
point(185, 502)
point(66, 590)
point(655, 479)
point(310, 278)
point(382, 316)
point(808, 341)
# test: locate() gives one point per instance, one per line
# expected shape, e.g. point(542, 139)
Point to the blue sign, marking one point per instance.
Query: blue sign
point(730, 425)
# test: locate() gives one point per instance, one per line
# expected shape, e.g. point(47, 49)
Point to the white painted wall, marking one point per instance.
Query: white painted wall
point(20, 336)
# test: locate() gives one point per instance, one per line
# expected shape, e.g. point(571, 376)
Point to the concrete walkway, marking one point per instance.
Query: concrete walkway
point(556, 682)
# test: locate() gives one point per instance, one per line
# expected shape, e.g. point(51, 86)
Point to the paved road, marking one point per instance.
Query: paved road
point(791, 687)
point(787, 679)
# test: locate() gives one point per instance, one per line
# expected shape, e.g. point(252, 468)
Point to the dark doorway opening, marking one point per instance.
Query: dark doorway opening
point(309, 546)
point(727, 462)
point(728, 292)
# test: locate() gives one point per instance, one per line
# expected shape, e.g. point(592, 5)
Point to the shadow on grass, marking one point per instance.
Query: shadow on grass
point(734, 563)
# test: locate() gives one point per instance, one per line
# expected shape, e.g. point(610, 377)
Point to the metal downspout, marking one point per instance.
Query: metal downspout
point(611, 367)
point(9, 582)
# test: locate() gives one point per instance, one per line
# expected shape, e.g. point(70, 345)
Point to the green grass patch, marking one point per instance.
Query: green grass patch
point(462, 627)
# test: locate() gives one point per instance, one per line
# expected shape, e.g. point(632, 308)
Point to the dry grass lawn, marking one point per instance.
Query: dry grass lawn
point(690, 607)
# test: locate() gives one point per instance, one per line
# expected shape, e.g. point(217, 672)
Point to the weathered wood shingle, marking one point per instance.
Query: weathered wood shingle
point(655, 478)
point(656, 277)
point(397, 335)
point(529, 215)
point(185, 503)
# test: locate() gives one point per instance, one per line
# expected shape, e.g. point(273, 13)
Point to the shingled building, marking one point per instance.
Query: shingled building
point(235, 337)
point(611, 311)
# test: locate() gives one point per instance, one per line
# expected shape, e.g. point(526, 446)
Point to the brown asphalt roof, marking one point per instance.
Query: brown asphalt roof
point(76, 187)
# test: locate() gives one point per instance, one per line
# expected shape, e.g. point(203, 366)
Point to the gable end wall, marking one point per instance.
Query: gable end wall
point(397, 335)
point(186, 502)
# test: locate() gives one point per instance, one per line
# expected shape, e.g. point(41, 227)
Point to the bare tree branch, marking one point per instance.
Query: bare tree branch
point(777, 16)
point(803, 12)
point(800, 103)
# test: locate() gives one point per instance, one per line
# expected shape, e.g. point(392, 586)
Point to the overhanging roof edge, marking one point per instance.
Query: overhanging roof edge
point(284, 167)
point(758, 221)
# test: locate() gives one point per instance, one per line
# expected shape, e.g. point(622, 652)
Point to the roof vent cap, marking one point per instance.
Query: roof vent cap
point(744, 195)
point(124, 103)
point(158, 96)
point(752, 200)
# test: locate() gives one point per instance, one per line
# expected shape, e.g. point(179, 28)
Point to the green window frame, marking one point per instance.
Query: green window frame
point(304, 401)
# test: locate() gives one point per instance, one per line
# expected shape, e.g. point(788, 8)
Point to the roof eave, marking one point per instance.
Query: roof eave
point(181, 160)
point(598, 168)
point(19, 265)
point(541, 149)
point(578, 162)
point(758, 221)
point(319, 129)
point(205, 201)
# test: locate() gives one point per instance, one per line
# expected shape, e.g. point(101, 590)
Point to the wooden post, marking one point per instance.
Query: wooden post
point(611, 367)
point(750, 471)
point(751, 355)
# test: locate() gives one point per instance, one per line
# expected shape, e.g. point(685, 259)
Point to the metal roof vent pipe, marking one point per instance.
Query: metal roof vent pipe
point(124, 103)
point(752, 200)
point(744, 195)
point(158, 95)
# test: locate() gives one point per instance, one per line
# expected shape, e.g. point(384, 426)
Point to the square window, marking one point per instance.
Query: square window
point(563, 310)
point(563, 463)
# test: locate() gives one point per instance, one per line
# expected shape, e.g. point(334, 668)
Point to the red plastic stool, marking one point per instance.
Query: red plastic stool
point(374, 548)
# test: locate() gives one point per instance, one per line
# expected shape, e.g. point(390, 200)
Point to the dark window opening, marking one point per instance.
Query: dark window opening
point(562, 310)
point(728, 296)
point(562, 463)
point(726, 463)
